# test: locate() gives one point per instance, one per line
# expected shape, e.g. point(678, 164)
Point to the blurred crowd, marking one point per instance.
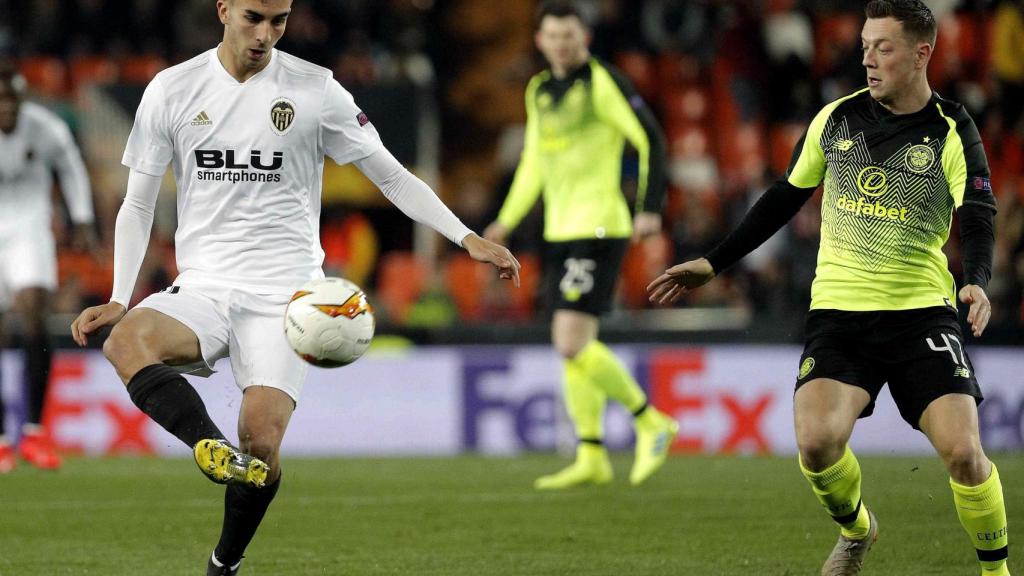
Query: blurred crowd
point(363, 41)
point(733, 83)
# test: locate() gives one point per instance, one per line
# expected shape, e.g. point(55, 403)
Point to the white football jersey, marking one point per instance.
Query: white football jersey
point(248, 159)
point(40, 144)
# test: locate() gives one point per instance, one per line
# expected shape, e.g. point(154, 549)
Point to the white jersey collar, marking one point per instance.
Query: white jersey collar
point(220, 71)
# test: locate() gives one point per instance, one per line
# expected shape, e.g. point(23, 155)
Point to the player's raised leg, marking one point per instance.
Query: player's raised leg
point(654, 430)
point(951, 423)
point(35, 446)
point(143, 347)
point(261, 424)
point(825, 412)
point(592, 374)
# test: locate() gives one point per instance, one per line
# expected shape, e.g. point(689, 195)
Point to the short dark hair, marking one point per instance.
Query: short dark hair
point(917, 19)
point(558, 9)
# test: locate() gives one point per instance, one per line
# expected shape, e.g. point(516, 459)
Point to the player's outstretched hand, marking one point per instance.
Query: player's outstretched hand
point(483, 250)
point(680, 279)
point(645, 224)
point(981, 309)
point(496, 232)
point(93, 318)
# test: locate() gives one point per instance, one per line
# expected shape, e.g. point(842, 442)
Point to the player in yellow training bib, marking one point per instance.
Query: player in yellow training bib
point(579, 113)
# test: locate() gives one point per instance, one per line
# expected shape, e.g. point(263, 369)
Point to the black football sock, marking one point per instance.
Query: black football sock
point(244, 507)
point(38, 355)
point(167, 398)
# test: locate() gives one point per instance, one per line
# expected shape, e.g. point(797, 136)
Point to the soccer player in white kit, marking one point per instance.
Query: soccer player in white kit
point(246, 129)
point(34, 144)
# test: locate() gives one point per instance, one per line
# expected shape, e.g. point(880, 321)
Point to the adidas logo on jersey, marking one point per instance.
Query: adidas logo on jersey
point(202, 119)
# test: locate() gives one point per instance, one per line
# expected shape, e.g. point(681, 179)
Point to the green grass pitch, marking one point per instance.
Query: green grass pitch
point(479, 516)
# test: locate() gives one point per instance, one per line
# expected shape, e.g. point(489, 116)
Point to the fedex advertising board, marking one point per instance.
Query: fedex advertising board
point(503, 400)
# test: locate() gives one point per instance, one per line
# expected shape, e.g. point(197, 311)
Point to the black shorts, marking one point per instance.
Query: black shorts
point(919, 353)
point(581, 274)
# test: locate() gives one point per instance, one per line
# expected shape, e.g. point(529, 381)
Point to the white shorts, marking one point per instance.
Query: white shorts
point(28, 259)
point(247, 327)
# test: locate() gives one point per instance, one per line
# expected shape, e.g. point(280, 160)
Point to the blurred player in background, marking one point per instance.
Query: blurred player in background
point(580, 111)
point(34, 143)
point(246, 129)
point(897, 159)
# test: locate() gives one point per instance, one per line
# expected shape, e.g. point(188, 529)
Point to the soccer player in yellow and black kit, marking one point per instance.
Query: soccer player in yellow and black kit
point(897, 160)
point(580, 112)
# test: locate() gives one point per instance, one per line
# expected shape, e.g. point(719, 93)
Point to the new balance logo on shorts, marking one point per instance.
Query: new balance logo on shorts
point(953, 346)
point(171, 289)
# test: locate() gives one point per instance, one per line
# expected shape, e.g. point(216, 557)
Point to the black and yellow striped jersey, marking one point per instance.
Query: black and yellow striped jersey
point(576, 128)
point(891, 183)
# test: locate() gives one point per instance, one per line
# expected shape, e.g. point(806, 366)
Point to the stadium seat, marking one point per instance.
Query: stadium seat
point(94, 278)
point(351, 247)
point(970, 46)
point(947, 60)
point(86, 70)
point(724, 110)
point(401, 279)
point(963, 48)
point(46, 75)
point(140, 69)
point(781, 140)
point(644, 261)
point(466, 283)
point(524, 298)
point(741, 150)
point(1013, 153)
point(677, 70)
point(687, 139)
point(834, 36)
point(639, 68)
point(984, 34)
point(479, 294)
point(685, 105)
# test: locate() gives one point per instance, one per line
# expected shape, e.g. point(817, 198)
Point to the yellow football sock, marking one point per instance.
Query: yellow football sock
point(838, 489)
point(604, 369)
point(983, 515)
point(584, 402)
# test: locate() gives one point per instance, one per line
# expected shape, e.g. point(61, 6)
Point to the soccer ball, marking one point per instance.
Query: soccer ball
point(329, 323)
